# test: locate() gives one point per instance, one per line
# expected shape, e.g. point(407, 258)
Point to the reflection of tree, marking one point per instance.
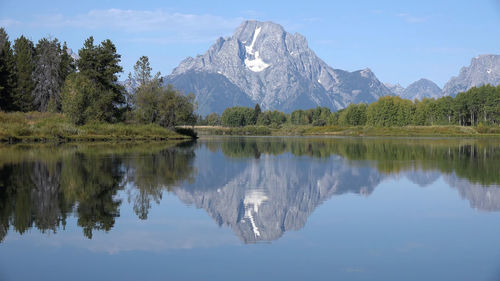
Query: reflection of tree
point(29, 195)
point(47, 200)
point(244, 148)
point(42, 191)
point(93, 182)
point(152, 172)
point(474, 160)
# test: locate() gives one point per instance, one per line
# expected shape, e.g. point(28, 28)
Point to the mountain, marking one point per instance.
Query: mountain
point(72, 54)
point(262, 63)
point(421, 89)
point(396, 89)
point(483, 69)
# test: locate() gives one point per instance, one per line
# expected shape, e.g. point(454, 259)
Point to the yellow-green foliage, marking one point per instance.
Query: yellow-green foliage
point(37, 126)
point(241, 131)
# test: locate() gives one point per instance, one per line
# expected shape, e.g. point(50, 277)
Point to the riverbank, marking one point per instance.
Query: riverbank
point(407, 131)
point(47, 127)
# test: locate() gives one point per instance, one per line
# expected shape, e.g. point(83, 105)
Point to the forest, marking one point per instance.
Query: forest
point(47, 77)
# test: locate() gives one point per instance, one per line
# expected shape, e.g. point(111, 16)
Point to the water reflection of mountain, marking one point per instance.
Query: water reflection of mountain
point(484, 198)
point(273, 194)
point(274, 186)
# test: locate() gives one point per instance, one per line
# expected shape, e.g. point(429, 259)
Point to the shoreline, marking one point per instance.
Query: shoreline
point(36, 127)
point(359, 131)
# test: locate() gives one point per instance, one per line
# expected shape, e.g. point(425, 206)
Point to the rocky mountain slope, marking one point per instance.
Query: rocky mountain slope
point(483, 69)
point(396, 89)
point(262, 63)
point(421, 89)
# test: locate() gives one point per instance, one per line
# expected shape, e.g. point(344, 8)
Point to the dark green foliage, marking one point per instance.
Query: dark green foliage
point(24, 62)
point(238, 116)
point(100, 64)
point(7, 72)
point(67, 65)
point(256, 111)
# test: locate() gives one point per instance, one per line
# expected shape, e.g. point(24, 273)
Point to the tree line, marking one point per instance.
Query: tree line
point(45, 77)
point(477, 106)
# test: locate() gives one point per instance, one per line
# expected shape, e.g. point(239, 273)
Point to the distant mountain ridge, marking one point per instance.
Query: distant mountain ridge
point(483, 69)
point(262, 63)
point(421, 89)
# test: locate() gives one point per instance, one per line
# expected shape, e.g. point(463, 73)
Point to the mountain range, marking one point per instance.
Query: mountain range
point(262, 63)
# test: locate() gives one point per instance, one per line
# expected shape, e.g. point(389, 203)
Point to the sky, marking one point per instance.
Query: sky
point(400, 41)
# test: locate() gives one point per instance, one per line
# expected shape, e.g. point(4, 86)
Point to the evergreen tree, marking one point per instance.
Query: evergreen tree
point(256, 112)
point(142, 71)
point(47, 75)
point(7, 72)
point(101, 65)
point(23, 56)
point(87, 63)
point(67, 65)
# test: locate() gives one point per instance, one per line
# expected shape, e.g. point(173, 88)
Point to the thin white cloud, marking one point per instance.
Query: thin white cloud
point(179, 26)
point(411, 19)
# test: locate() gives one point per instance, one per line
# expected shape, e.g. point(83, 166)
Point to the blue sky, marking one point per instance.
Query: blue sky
point(401, 41)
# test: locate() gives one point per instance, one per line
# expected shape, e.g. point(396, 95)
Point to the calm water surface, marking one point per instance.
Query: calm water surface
point(252, 209)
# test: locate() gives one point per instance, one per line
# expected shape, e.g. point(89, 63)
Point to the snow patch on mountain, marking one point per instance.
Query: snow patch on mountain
point(256, 64)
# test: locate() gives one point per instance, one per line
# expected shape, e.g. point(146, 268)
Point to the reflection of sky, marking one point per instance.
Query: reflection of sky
point(401, 231)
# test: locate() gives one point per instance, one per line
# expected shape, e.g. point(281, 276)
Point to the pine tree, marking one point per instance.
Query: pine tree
point(100, 64)
point(23, 56)
point(67, 65)
point(256, 112)
point(47, 75)
point(7, 72)
point(87, 63)
point(142, 71)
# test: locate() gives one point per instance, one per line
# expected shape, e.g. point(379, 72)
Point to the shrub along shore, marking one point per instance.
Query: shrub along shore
point(54, 127)
point(355, 131)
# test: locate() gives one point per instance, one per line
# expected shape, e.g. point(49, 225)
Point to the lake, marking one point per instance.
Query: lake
point(252, 208)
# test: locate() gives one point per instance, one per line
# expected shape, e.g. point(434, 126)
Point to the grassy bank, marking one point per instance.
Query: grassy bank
point(407, 131)
point(46, 127)
point(43, 127)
